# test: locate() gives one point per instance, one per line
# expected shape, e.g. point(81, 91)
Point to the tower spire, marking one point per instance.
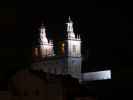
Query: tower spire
point(43, 34)
point(72, 50)
point(69, 19)
point(42, 25)
point(70, 28)
point(69, 25)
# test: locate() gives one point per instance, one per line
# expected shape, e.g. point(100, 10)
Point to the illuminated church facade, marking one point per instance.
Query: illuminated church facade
point(69, 60)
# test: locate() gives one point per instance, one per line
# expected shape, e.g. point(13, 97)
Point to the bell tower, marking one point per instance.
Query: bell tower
point(73, 51)
point(45, 47)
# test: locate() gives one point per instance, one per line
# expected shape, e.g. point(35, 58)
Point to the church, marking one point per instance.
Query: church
point(67, 62)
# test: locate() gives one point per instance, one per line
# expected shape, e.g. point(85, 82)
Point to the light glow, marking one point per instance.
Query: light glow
point(100, 75)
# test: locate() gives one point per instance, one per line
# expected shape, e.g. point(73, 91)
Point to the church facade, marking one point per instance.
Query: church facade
point(69, 60)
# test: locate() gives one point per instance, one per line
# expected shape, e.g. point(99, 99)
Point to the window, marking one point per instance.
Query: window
point(74, 48)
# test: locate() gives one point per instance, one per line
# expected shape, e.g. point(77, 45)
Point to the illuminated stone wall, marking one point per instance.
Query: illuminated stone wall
point(51, 65)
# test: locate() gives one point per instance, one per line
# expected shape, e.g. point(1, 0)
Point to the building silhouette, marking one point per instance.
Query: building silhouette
point(67, 61)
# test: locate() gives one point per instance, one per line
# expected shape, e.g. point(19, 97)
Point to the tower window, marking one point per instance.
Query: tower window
point(74, 49)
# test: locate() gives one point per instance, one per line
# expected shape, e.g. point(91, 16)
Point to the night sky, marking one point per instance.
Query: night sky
point(106, 31)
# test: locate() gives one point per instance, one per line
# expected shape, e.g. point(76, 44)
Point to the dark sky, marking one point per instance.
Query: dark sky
point(106, 30)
